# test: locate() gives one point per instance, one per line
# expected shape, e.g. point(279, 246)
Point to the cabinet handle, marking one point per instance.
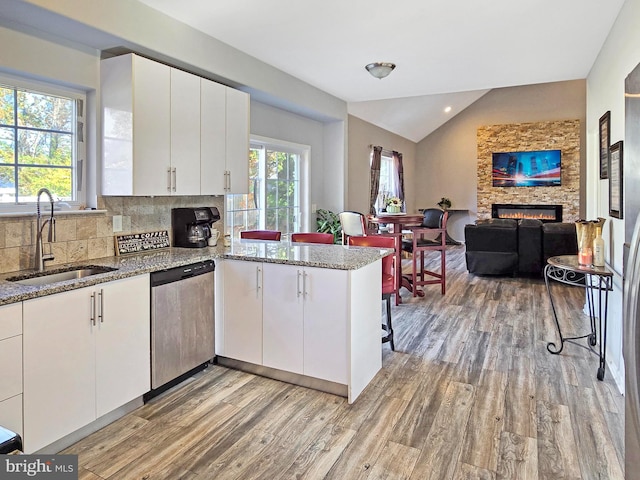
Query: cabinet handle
point(229, 180)
point(304, 284)
point(169, 179)
point(101, 305)
point(175, 179)
point(298, 284)
point(258, 286)
point(93, 309)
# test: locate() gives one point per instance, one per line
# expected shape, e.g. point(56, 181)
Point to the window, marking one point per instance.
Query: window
point(276, 193)
point(389, 181)
point(40, 143)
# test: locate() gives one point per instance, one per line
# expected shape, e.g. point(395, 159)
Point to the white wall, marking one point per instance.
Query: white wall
point(605, 91)
point(65, 64)
point(131, 25)
point(53, 41)
point(268, 121)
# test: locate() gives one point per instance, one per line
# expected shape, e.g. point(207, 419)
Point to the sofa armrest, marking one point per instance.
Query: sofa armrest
point(559, 239)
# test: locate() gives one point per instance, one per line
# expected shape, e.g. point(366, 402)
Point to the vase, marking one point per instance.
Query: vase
point(393, 209)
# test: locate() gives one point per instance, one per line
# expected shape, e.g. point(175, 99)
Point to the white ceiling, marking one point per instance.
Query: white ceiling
point(447, 52)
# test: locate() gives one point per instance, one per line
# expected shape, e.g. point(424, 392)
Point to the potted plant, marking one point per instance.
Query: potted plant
point(444, 203)
point(329, 222)
point(394, 205)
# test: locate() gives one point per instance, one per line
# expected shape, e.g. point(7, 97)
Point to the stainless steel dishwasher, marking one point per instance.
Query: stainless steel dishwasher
point(182, 321)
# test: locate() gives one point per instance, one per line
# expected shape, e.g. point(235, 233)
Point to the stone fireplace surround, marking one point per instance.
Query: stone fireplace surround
point(552, 135)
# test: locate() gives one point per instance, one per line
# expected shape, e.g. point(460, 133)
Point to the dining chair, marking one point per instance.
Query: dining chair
point(261, 235)
point(433, 222)
point(389, 266)
point(353, 225)
point(313, 237)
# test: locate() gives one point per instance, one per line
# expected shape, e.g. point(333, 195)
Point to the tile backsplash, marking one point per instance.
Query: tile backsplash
point(90, 235)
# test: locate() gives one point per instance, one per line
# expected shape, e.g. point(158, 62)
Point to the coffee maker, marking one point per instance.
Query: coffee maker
point(192, 226)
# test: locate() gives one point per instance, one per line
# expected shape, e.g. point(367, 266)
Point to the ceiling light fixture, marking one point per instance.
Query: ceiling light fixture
point(447, 109)
point(380, 69)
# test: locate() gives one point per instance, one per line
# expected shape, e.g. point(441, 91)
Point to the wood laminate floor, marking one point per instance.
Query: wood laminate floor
point(470, 393)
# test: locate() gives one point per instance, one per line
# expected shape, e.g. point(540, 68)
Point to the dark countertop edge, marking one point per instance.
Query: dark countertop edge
point(148, 262)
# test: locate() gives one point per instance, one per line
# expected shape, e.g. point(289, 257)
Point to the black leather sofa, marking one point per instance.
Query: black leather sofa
point(501, 246)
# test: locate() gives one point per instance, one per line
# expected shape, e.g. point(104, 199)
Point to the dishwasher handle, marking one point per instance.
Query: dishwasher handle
point(180, 273)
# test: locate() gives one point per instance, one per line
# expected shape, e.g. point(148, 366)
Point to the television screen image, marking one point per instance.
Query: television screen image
point(526, 169)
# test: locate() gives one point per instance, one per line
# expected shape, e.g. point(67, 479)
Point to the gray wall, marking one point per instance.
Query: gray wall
point(361, 135)
point(447, 158)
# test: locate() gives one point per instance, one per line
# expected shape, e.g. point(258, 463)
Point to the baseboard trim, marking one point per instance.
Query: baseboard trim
point(288, 377)
point(94, 426)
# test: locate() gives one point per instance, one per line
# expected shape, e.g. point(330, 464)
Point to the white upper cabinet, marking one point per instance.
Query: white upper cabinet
point(169, 132)
point(237, 151)
point(224, 139)
point(185, 133)
point(136, 108)
point(213, 141)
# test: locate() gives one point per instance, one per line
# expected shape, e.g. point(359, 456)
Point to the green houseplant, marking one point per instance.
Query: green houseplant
point(444, 203)
point(329, 222)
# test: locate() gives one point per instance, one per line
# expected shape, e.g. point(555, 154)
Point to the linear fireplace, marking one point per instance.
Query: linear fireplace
point(545, 213)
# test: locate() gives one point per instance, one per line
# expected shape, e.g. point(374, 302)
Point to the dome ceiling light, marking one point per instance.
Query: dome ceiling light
point(380, 69)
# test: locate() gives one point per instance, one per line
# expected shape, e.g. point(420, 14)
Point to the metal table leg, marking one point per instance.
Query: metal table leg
point(603, 285)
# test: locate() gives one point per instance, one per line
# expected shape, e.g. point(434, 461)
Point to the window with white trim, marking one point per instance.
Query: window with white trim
point(41, 143)
point(276, 196)
point(389, 181)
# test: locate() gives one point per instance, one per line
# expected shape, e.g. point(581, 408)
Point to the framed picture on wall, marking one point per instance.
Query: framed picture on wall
point(615, 180)
point(605, 135)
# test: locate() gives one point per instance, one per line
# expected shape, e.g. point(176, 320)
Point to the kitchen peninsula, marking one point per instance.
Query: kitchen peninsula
point(305, 314)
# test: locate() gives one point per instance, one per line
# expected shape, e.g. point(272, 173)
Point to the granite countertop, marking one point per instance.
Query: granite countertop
point(336, 257)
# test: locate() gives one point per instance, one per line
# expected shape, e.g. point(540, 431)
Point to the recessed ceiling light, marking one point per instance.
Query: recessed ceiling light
point(447, 109)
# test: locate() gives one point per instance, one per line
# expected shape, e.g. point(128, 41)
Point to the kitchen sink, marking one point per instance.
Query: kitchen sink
point(44, 278)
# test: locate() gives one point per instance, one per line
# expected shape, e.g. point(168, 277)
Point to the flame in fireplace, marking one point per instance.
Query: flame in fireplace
point(521, 215)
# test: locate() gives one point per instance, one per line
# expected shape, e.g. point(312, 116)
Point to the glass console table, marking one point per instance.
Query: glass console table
point(595, 280)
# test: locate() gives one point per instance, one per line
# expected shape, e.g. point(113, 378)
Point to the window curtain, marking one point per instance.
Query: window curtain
point(399, 172)
point(374, 185)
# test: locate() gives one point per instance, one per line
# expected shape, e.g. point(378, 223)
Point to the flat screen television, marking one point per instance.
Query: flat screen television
point(526, 169)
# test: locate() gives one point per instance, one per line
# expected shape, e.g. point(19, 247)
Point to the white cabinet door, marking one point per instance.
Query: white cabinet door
point(122, 342)
point(243, 311)
point(151, 127)
point(10, 350)
point(326, 317)
point(11, 367)
point(213, 143)
point(11, 414)
point(185, 133)
point(59, 366)
point(282, 317)
point(237, 144)
point(86, 353)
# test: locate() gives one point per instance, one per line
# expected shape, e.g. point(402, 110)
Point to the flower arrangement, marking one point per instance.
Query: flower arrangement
point(394, 202)
point(394, 205)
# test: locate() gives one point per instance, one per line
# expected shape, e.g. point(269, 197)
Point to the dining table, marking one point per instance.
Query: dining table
point(393, 224)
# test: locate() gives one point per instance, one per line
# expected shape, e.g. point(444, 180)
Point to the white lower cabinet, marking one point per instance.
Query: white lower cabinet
point(319, 322)
point(11, 367)
point(243, 311)
point(86, 353)
point(305, 321)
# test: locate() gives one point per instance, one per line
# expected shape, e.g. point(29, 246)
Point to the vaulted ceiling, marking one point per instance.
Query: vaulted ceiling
point(448, 53)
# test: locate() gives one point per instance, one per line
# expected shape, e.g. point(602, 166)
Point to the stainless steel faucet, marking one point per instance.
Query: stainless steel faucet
point(40, 256)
